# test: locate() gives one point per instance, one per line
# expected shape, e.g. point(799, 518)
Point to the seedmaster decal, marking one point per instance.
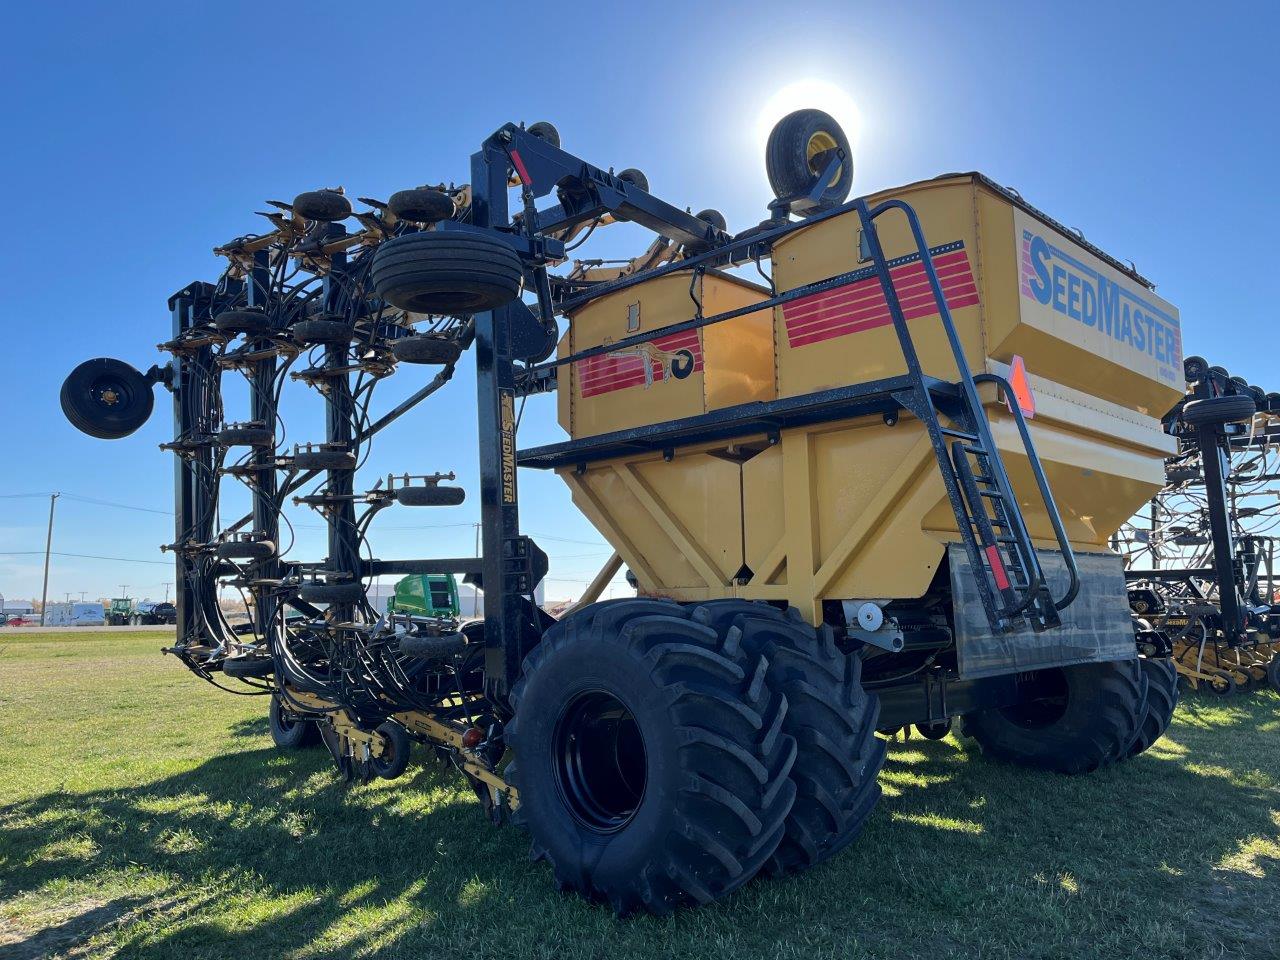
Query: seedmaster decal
point(1119, 318)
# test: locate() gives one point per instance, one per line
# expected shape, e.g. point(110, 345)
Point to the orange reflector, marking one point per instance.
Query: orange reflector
point(1021, 388)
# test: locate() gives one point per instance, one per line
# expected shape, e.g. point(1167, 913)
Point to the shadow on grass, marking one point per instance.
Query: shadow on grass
point(250, 727)
point(405, 868)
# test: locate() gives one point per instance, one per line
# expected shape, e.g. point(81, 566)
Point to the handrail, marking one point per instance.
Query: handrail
point(982, 428)
point(1037, 471)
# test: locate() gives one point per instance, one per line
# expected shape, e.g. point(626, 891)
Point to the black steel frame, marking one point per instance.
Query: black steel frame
point(1213, 443)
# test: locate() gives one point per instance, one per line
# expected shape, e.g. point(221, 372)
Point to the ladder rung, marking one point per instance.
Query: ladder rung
point(993, 494)
point(959, 434)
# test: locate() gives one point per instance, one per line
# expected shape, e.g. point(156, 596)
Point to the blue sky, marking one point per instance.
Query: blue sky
point(140, 135)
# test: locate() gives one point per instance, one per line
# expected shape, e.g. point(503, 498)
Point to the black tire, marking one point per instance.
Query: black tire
point(715, 218)
point(635, 177)
point(1162, 700)
point(545, 131)
point(433, 648)
point(331, 592)
point(650, 757)
point(246, 437)
point(421, 205)
point(246, 550)
point(793, 143)
point(323, 205)
point(1195, 369)
point(831, 716)
point(248, 665)
point(1214, 410)
point(447, 272)
point(1088, 723)
point(249, 321)
point(937, 730)
point(321, 330)
point(424, 348)
point(290, 731)
point(395, 750)
point(324, 460)
point(431, 495)
point(1273, 672)
point(1222, 686)
point(106, 398)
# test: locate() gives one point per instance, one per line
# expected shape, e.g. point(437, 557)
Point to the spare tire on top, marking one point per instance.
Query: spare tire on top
point(796, 146)
point(451, 272)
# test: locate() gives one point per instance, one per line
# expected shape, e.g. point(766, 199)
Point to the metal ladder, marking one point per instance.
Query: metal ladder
point(1011, 580)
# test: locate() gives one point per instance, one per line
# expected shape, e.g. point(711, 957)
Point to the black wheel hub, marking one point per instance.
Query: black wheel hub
point(599, 761)
point(110, 392)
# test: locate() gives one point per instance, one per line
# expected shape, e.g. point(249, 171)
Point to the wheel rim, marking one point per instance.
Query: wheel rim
point(387, 759)
point(285, 720)
point(599, 761)
point(109, 393)
point(821, 142)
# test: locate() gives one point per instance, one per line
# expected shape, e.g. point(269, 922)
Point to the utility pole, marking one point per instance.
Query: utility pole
point(124, 591)
point(166, 592)
point(48, 546)
point(82, 593)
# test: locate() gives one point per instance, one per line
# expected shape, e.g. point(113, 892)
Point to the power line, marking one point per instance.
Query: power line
point(82, 556)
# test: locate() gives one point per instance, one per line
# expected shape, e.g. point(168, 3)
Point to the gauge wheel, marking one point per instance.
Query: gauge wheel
point(106, 398)
point(290, 730)
point(447, 272)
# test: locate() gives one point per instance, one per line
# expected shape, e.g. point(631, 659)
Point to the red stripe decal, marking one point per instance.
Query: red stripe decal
point(609, 372)
point(861, 305)
point(997, 567)
point(520, 169)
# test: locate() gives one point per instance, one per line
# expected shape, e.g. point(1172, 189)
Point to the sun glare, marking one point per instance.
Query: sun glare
point(819, 94)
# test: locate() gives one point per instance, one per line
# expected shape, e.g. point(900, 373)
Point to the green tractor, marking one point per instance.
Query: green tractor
point(119, 612)
point(426, 595)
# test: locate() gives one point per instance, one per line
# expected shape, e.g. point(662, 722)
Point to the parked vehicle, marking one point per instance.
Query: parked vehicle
point(75, 614)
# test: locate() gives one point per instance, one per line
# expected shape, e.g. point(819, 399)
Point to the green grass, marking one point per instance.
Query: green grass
point(144, 814)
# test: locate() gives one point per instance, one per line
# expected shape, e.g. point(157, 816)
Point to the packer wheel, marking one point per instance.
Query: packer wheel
point(322, 205)
point(394, 758)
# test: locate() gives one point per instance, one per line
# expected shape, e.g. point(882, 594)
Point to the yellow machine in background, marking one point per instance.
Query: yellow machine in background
point(851, 509)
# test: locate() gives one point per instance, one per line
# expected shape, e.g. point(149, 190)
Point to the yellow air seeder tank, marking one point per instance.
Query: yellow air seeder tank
point(856, 508)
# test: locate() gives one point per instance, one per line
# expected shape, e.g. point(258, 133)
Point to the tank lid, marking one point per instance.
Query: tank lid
point(1014, 197)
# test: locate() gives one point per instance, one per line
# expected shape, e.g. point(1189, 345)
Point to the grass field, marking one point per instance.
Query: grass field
point(144, 814)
